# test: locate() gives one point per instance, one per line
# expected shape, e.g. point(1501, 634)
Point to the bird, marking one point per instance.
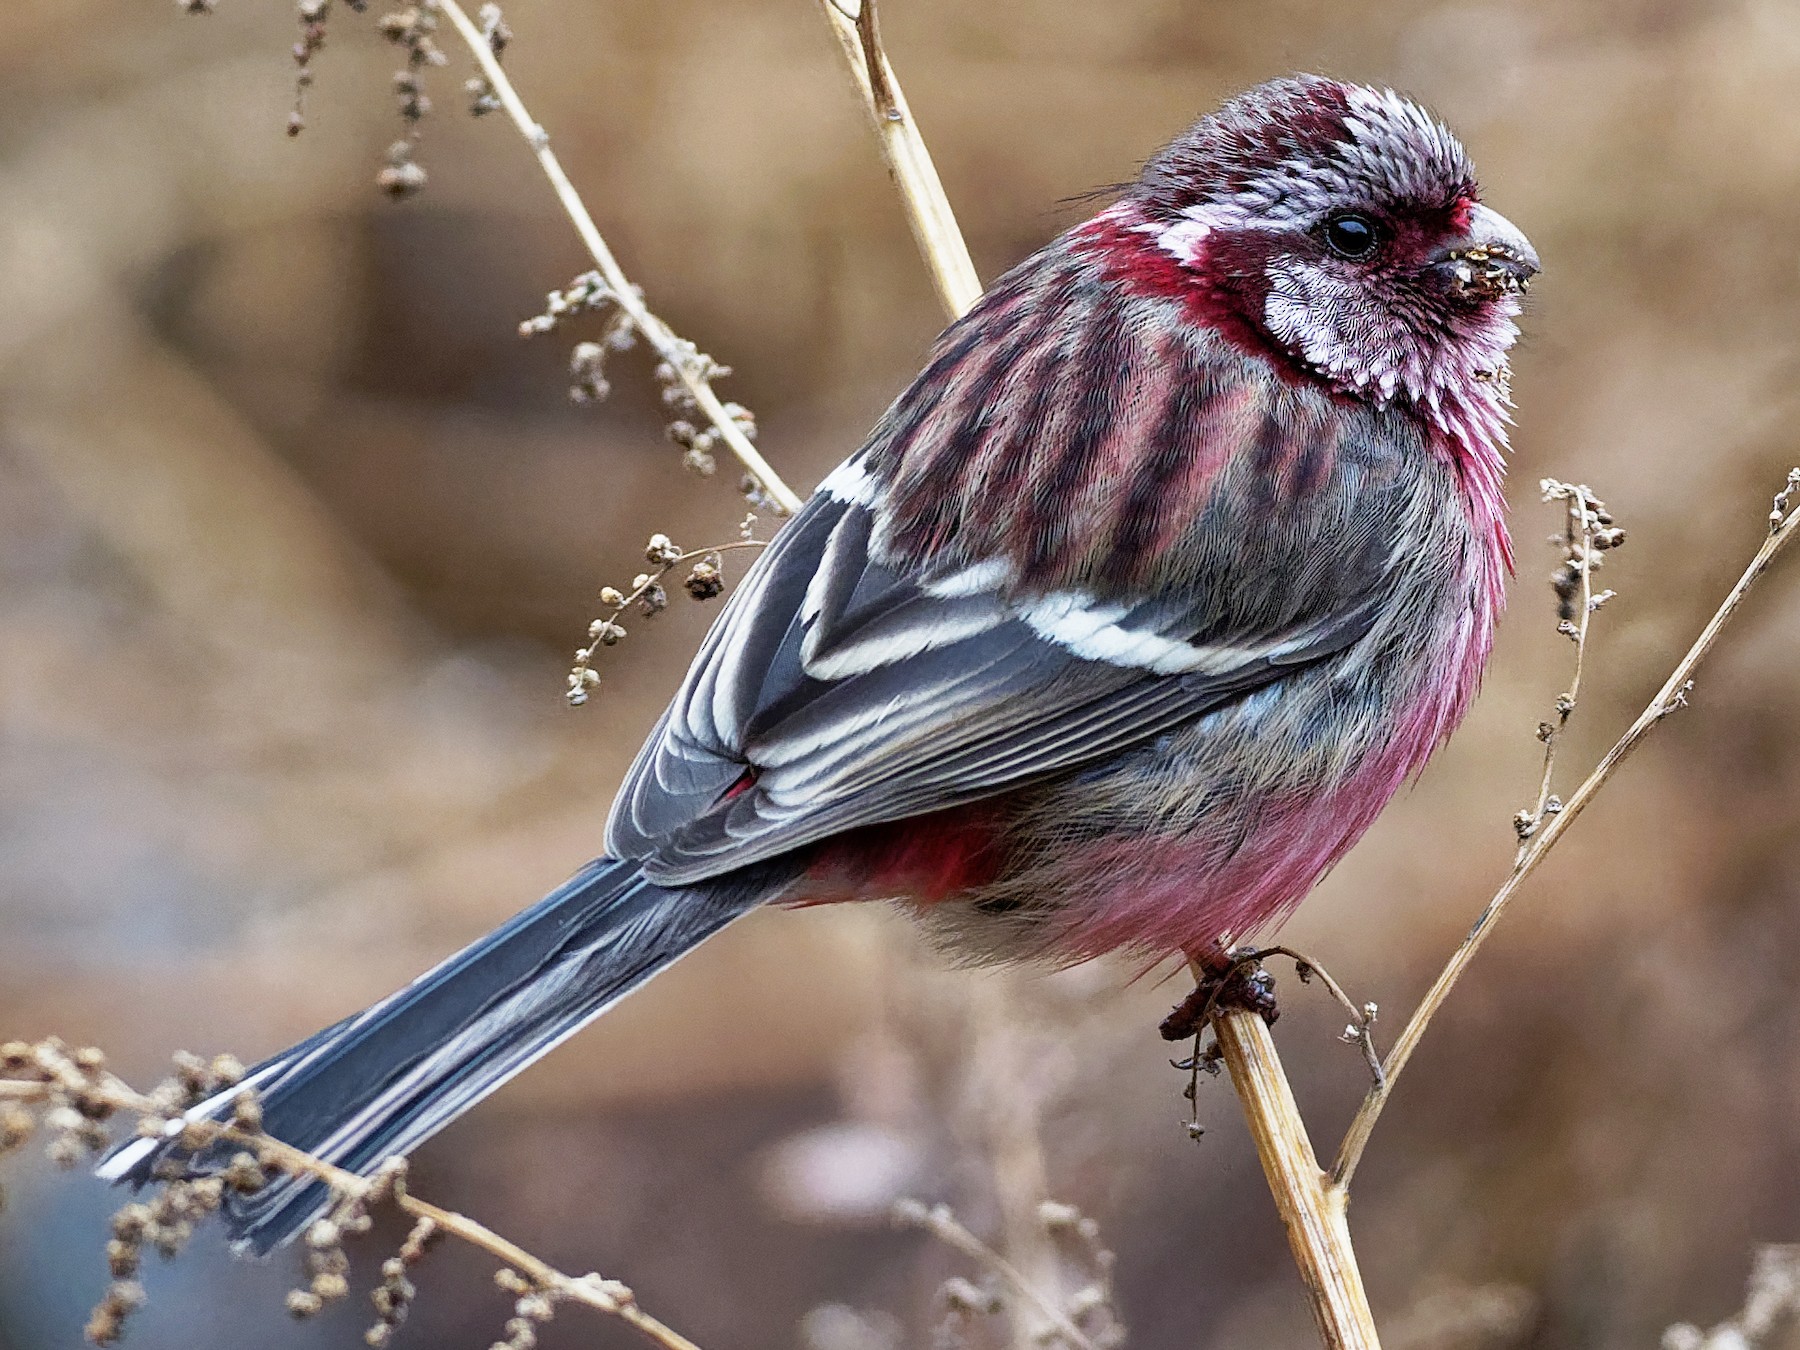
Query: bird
point(1177, 560)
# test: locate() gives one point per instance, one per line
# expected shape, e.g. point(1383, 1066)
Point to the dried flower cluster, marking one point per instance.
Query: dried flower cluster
point(648, 596)
point(680, 367)
point(394, 1295)
point(68, 1095)
point(1086, 1319)
point(1588, 535)
point(482, 98)
point(699, 444)
point(414, 29)
point(1772, 1301)
point(588, 293)
point(328, 1264)
point(312, 15)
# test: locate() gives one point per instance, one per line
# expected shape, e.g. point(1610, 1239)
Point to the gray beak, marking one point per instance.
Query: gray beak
point(1493, 258)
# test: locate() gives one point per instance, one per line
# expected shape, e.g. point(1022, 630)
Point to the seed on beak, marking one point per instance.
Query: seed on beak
point(1493, 259)
point(1490, 271)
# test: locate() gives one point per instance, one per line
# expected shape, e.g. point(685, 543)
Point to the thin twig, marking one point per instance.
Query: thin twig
point(1671, 697)
point(607, 1296)
point(681, 355)
point(1360, 1031)
point(944, 1225)
point(1587, 531)
point(922, 192)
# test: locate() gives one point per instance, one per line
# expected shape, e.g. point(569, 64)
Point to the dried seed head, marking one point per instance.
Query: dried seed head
point(244, 1174)
point(246, 1111)
point(401, 180)
point(705, 581)
point(16, 1125)
point(303, 1303)
point(662, 551)
point(107, 1322)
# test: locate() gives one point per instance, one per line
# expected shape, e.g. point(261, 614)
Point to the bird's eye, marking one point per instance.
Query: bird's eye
point(1351, 236)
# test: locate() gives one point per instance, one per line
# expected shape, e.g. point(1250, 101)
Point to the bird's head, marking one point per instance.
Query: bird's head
point(1343, 225)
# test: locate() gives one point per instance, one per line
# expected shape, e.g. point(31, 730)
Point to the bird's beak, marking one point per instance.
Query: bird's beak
point(1491, 258)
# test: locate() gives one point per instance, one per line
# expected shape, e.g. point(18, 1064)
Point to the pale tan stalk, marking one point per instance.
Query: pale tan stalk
point(922, 193)
point(681, 355)
point(1313, 1210)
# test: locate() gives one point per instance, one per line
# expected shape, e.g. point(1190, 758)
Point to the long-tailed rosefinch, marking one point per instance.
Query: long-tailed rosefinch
point(1137, 606)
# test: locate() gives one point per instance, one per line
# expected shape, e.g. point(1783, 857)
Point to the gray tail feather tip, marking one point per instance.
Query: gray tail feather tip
point(382, 1082)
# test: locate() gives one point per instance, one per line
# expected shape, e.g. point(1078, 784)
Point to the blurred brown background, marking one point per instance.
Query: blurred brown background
point(296, 536)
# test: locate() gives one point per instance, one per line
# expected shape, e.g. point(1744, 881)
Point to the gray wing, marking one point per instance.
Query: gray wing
point(836, 692)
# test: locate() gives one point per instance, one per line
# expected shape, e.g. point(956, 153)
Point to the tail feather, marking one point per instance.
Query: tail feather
point(385, 1080)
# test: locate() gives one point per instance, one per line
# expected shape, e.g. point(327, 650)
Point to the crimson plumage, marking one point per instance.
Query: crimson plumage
point(1183, 552)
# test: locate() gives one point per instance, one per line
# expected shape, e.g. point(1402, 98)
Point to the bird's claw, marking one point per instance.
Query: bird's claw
point(1241, 985)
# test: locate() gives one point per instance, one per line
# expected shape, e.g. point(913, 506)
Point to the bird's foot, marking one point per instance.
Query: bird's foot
point(1224, 983)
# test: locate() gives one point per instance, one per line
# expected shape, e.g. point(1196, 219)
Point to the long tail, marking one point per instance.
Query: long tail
point(387, 1079)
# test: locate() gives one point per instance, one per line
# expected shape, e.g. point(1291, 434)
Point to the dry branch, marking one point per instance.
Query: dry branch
point(76, 1093)
point(941, 1223)
point(688, 364)
point(1783, 524)
point(1312, 1209)
point(927, 208)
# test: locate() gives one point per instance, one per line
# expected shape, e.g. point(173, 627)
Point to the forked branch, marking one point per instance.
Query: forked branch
point(1784, 523)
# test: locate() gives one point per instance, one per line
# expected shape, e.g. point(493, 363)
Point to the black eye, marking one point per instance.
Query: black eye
point(1351, 236)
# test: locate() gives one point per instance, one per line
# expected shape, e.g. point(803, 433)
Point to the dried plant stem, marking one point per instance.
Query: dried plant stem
point(681, 355)
point(607, 1296)
point(927, 208)
point(945, 1227)
point(1313, 1210)
point(1669, 698)
point(1579, 535)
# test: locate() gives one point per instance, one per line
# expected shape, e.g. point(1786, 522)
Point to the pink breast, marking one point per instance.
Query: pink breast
point(1228, 880)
